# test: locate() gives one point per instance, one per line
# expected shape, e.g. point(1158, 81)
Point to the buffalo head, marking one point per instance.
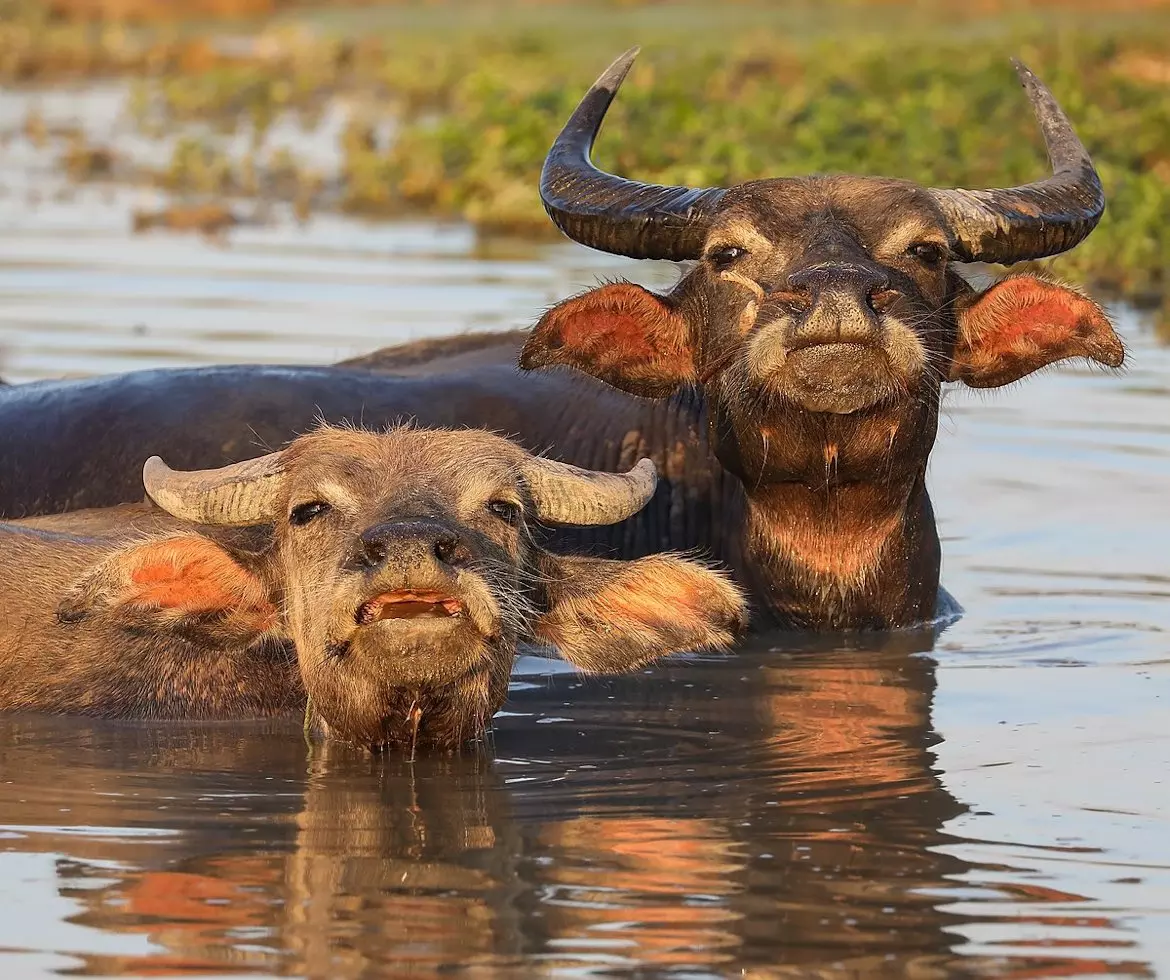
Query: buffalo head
point(822, 313)
point(402, 569)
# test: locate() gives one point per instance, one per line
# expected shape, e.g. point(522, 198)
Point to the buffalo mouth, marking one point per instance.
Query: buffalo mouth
point(409, 604)
point(839, 378)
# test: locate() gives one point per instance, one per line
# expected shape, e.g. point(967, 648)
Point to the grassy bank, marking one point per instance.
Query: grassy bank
point(722, 93)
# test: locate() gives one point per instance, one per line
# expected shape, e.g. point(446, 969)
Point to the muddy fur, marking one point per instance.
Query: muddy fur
point(134, 612)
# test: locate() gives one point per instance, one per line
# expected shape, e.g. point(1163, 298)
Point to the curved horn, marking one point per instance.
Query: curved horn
point(567, 494)
point(240, 494)
point(643, 221)
point(1038, 219)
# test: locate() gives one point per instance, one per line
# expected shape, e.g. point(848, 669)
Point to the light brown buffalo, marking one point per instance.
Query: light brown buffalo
point(389, 577)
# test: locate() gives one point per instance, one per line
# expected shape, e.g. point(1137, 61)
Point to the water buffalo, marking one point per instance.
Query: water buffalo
point(787, 388)
point(388, 576)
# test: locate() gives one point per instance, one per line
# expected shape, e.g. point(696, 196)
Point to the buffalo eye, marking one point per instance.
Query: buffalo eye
point(505, 510)
point(725, 255)
point(304, 513)
point(928, 253)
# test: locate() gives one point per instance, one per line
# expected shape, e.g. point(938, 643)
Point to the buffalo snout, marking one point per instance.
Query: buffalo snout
point(837, 303)
point(423, 544)
point(862, 281)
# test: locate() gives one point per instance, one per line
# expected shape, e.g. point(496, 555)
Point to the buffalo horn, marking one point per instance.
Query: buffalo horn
point(239, 494)
point(569, 495)
point(643, 221)
point(1043, 218)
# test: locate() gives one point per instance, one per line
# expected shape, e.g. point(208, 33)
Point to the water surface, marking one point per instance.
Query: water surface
point(989, 802)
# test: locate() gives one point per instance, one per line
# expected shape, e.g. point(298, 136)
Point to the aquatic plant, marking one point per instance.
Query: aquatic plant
point(945, 114)
point(474, 95)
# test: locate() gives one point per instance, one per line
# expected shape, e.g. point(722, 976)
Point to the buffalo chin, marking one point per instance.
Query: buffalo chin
point(838, 379)
point(442, 694)
point(424, 651)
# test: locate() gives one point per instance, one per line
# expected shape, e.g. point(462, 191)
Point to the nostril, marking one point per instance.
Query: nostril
point(373, 552)
point(800, 282)
point(800, 297)
point(449, 550)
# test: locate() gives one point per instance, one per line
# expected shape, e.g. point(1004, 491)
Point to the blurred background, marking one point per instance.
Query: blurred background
point(291, 131)
point(199, 181)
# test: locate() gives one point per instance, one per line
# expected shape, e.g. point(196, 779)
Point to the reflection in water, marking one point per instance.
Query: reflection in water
point(795, 832)
point(406, 865)
point(771, 811)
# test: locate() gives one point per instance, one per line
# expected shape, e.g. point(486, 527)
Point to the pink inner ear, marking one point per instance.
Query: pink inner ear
point(1033, 310)
point(193, 576)
point(617, 331)
point(616, 335)
point(1022, 324)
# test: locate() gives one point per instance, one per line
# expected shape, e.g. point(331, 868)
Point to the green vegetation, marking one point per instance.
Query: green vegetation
point(722, 93)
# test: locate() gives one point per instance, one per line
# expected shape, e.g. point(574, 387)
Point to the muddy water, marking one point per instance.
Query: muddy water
point(992, 801)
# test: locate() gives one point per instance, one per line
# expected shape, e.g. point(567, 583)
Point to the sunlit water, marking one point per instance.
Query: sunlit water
point(993, 802)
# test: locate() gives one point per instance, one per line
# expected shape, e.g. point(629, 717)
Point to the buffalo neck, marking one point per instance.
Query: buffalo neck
point(853, 555)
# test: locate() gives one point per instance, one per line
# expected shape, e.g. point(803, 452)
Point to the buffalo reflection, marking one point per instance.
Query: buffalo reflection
point(773, 812)
point(798, 833)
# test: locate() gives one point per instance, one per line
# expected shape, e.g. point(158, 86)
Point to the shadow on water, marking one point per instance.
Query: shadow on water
point(775, 811)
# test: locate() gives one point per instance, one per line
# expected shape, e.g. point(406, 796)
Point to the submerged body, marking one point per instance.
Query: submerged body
point(793, 373)
point(698, 504)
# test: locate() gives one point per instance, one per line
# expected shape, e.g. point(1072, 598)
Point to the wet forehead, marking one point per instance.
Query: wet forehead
point(793, 213)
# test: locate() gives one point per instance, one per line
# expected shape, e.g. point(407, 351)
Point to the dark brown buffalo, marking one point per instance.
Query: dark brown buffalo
point(820, 321)
point(390, 577)
point(791, 380)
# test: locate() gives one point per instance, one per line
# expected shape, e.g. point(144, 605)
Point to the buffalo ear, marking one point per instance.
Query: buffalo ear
point(614, 616)
point(621, 334)
point(186, 586)
point(1022, 324)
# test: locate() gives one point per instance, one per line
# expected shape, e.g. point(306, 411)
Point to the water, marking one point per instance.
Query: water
point(992, 802)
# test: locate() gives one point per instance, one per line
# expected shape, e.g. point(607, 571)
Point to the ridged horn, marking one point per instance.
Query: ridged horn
point(1034, 220)
point(569, 495)
point(240, 494)
point(626, 217)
